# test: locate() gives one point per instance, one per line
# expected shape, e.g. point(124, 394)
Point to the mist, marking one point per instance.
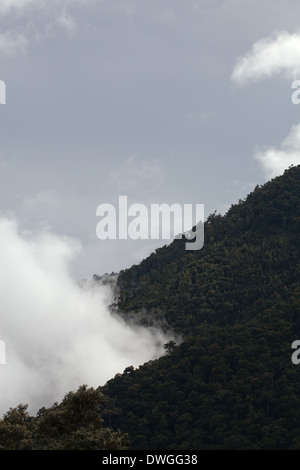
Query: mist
point(58, 333)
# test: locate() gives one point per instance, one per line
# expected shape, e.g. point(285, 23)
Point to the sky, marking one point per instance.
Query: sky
point(161, 101)
point(59, 334)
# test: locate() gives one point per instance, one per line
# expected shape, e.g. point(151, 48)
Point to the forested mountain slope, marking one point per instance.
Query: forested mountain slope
point(250, 256)
point(231, 383)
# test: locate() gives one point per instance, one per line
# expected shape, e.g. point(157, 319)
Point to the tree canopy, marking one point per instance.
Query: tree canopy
point(230, 383)
point(74, 424)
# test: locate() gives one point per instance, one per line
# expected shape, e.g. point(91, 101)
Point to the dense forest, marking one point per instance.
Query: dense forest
point(230, 382)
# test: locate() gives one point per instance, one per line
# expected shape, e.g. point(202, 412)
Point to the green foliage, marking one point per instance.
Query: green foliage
point(226, 388)
point(250, 255)
point(231, 383)
point(74, 424)
point(16, 429)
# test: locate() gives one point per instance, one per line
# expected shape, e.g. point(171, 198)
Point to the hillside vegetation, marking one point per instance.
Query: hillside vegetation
point(230, 383)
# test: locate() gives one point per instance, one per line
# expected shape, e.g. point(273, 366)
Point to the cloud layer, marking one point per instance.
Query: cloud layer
point(12, 42)
point(58, 334)
point(269, 56)
point(23, 21)
point(275, 160)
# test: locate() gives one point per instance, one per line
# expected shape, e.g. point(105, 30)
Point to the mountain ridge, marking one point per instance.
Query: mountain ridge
point(231, 383)
point(227, 239)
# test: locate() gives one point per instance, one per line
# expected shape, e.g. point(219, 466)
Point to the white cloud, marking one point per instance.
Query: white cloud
point(135, 172)
point(67, 22)
point(31, 18)
point(8, 6)
point(12, 43)
point(19, 6)
point(58, 335)
point(270, 56)
point(275, 160)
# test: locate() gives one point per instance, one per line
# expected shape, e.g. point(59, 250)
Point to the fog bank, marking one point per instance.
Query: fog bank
point(58, 334)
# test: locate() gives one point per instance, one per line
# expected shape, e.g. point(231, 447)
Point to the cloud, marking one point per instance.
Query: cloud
point(9, 6)
point(12, 43)
point(30, 19)
point(275, 160)
point(67, 22)
point(57, 333)
point(20, 6)
point(268, 57)
point(136, 172)
point(273, 56)
point(39, 18)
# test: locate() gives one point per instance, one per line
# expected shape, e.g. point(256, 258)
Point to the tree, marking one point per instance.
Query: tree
point(169, 347)
point(16, 429)
point(74, 424)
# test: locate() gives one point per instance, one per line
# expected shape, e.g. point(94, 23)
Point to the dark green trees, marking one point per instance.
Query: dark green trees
point(74, 424)
point(230, 383)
